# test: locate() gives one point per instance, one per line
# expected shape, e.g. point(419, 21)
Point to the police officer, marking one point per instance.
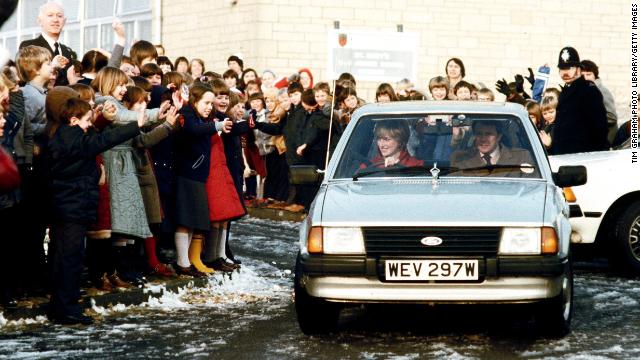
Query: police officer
point(581, 118)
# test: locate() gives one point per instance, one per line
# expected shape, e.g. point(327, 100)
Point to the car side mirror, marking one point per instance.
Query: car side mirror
point(304, 175)
point(570, 176)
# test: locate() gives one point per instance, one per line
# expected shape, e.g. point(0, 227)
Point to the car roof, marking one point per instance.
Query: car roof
point(430, 106)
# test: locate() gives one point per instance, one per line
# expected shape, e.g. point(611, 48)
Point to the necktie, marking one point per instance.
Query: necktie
point(487, 158)
point(56, 51)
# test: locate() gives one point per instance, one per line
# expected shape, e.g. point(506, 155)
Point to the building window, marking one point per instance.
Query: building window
point(88, 23)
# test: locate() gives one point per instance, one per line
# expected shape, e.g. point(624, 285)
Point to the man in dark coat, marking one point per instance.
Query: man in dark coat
point(581, 120)
point(51, 20)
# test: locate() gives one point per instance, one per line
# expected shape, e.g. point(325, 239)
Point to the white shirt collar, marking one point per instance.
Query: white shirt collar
point(495, 155)
point(51, 41)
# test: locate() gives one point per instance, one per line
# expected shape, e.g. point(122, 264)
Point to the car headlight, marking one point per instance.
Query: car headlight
point(335, 240)
point(529, 241)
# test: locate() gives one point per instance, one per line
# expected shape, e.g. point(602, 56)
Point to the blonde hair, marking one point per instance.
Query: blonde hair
point(488, 92)
point(439, 81)
point(107, 79)
point(397, 129)
point(29, 61)
point(548, 103)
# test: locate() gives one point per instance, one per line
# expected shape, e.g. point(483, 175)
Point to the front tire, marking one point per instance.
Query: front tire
point(315, 316)
point(554, 317)
point(626, 249)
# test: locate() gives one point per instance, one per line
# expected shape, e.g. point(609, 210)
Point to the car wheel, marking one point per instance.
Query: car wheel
point(315, 316)
point(626, 252)
point(555, 315)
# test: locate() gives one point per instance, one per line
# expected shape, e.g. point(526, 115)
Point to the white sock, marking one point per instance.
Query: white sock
point(182, 249)
point(222, 242)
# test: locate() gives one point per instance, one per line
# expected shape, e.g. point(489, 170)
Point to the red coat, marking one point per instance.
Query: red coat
point(224, 202)
point(101, 229)
point(405, 160)
point(9, 175)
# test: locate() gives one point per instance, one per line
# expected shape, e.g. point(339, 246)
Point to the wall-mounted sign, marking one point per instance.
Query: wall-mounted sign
point(373, 56)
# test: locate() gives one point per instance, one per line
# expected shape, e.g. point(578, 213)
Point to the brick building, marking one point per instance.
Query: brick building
point(495, 39)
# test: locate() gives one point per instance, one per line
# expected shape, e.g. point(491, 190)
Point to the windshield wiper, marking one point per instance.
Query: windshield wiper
point(422, 170)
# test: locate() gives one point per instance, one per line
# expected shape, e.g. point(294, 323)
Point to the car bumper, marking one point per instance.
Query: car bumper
point(502, 290)
point(503, 279)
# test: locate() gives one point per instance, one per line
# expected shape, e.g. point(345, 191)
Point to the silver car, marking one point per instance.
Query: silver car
point(436, 202)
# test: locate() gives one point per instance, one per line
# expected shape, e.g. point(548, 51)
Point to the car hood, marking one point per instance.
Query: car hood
point(414, 202)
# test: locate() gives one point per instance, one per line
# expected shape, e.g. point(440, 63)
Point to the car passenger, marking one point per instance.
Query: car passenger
point(391, 138)
point(488, 150)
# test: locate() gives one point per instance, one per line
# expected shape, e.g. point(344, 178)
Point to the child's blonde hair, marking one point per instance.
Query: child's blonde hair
point(548, 103)
point(439, 81)
point(107, 79)
point(29, 61)
point(488, 92)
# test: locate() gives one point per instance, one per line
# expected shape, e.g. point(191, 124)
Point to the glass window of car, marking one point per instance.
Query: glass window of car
point(460, 145)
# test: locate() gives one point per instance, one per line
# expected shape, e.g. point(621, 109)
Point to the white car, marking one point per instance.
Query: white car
point(607, 208)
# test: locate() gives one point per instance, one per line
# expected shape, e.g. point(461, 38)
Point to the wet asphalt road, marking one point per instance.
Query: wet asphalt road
point(250, 315)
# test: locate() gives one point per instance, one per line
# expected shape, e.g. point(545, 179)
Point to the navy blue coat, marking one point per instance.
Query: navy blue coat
point(193, 146)
point(581, 120)
point(72, 171)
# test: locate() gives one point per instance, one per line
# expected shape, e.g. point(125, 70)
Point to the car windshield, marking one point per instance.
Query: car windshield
point(454, 144)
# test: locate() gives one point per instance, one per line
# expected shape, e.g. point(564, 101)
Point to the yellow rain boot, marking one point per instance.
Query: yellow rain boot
point(195, 248)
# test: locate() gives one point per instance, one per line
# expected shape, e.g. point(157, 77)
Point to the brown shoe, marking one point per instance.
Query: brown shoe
point(117, 282)
point(103, 283)
point(221, 265)
point(189, 271)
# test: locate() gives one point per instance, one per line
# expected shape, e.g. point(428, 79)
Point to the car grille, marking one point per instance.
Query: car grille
point(471, 241)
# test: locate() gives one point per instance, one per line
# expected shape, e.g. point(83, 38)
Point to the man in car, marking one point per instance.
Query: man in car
point(488, 151)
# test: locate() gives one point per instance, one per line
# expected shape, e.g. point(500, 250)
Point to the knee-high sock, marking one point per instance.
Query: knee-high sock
point(195, 250)
point(150, 251)
point(182, 249)
point(211, 246)
point(222, 241)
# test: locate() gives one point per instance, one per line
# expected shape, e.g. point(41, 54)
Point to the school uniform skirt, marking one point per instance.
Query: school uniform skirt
point(192, 208)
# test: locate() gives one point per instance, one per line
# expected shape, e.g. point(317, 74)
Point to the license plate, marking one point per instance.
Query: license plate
point(402, 270)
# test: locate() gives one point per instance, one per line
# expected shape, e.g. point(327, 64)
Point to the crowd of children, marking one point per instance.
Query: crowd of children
point(134, 151)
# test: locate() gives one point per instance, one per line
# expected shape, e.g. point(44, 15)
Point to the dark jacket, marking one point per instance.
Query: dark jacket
point(65, 51)
point(14, 120)
point(72, 172)
point(581, 120)
point(193, 145)
point(291, 127)
point(233, 150)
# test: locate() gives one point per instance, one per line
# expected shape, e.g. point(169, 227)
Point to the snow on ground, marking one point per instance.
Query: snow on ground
point(249, 314)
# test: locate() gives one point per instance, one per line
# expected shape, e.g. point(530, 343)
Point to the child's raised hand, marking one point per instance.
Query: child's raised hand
point(118, 28)
point(142, 118)
point(164, 107)
point(172, 115)
point(109, 111)
point(227, 125)
point(177, 99)
point(96, 112)
point(59, 62)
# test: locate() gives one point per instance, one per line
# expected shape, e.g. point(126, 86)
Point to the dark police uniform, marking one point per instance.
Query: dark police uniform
point(581, 118)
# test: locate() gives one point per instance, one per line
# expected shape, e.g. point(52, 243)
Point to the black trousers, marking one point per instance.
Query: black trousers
point(10, 257)
point(67, 241)
point(33, 223)
point(276, 185)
